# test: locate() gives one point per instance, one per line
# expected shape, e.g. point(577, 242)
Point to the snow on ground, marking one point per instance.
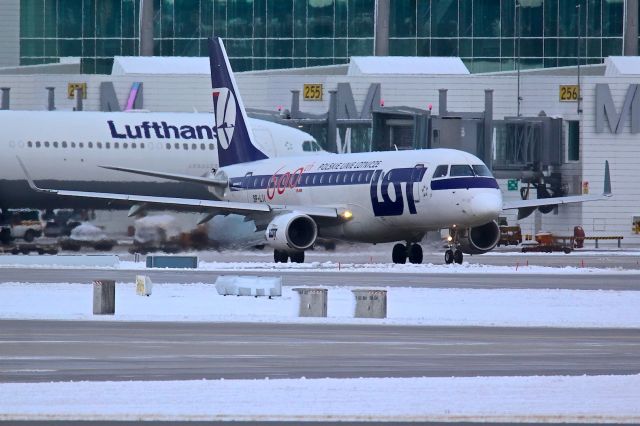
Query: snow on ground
point(496, 399)
point(406, 306)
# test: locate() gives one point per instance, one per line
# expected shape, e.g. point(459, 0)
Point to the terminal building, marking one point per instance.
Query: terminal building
point(544, 131)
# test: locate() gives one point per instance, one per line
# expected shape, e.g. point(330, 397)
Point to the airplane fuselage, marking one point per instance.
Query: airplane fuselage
point(392, 196)
point(64, 149)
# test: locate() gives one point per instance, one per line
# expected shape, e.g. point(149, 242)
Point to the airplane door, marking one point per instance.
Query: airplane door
point(247, 185)
point(417, 175)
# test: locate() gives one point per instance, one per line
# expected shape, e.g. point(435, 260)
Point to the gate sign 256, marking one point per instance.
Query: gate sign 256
point(569, 93)
point(312, 92)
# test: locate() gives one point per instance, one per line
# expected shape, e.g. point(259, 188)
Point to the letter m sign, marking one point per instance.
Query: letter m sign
point(605, 109)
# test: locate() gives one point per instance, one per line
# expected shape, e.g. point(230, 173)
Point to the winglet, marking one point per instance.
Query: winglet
point(607, 180)
point(32, 184)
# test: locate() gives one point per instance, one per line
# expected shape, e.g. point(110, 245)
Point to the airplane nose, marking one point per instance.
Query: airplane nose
point(487, 205)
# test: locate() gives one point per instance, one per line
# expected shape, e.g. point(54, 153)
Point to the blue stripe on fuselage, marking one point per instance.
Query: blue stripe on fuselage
point(464, 183)
point(353, 177)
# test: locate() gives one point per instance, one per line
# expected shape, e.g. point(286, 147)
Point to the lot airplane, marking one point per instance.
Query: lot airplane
point(370, 197)
point(64, 148)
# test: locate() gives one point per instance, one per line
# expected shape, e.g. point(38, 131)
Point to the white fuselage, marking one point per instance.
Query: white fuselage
point(392, 195)
point(65, 149)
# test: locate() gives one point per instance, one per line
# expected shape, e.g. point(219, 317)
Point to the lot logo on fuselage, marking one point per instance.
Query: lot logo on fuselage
point(393, 179)
point(225, 115)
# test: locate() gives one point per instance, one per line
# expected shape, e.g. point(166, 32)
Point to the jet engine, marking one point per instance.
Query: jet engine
point(479, 239)
point(292, 231)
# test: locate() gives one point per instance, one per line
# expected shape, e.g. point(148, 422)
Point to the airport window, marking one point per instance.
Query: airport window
point(29, 144)
point(481, 170)
point(211, 147)
point(441, 171)
point(99, 145)
point(573, 141)
point(202, 147)
point(46, 144)
point(168, 146)
point(64, 144)
point(461, 170)
point(55, 144)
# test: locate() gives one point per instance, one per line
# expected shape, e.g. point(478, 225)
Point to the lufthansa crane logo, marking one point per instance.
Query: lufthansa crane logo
point(225, 115)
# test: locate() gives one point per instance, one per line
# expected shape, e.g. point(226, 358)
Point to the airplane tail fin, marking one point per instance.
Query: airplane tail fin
point(235, 141)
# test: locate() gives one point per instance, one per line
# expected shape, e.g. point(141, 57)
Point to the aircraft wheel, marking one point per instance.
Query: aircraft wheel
point(399, 253)
point(280, 256)
point(448, 257)
point(297, 257)
point(458, 256)
point(29, 236)
point(415, 253)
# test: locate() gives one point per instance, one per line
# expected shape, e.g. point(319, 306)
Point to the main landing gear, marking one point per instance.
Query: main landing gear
point(282, 256)
point(410, 251)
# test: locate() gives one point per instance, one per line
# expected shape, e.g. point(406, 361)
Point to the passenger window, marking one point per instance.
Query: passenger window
point(116, 145)
point(81, 145)
point(194, 146)
point(322, 178)
point(73, 144)
point(55, 144)
point(133, 145)
point(331, 178)
point(29, 144)
point(441, 171)
point(360, 177)
point(125, 145)
point(64, 144)
point(99, 145)
point(37, 144)
point(176, 145)
point(168, 146)
point(90, 144)
point(142, 145)
point(482, 170)
point(210, 147)
point(202, 147)
point(107, 145)
point(368, 177)
point(46, 144)
point(461, 170)
point(263, 182)
point(315, 178)
point(185, 146)
point(306, 146)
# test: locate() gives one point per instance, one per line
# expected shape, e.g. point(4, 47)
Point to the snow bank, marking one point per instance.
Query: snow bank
point(462, 399)
point(406, 306)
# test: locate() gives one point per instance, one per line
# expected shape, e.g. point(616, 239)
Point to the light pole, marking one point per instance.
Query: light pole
point(578, 7)
point(518, 31)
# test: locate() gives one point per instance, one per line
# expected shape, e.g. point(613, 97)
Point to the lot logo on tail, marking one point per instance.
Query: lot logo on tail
point(225, 115)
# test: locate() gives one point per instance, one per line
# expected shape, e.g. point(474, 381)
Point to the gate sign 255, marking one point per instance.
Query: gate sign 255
point(312, 92)
point(569, 93)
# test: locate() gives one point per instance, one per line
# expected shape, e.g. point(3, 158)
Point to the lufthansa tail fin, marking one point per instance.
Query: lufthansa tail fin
point(235, 141)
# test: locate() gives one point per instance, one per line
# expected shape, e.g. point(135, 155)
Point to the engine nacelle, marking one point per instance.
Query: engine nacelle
point(292, 231)
point(479, 239)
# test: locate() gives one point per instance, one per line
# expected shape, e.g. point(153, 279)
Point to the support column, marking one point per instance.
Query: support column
point(51, 98)
point(146, 27)
point(630, 39)
point(487, 151)
point(5, 97)
point(381, 41)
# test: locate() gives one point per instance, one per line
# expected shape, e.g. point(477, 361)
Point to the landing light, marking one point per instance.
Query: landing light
point(347, 214)
point(449, 238)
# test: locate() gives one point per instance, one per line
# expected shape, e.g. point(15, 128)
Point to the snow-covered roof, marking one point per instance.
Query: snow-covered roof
point(123, 65)
point(360, 65)
point(622, 65)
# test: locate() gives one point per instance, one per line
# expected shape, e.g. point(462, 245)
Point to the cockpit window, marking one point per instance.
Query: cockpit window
point(459, 170)
point(481, 170)
point(441, 171)
point(311, 146)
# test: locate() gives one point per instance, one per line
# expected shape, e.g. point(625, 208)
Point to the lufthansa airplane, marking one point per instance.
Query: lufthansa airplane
point(370, 197)
point(64, 149)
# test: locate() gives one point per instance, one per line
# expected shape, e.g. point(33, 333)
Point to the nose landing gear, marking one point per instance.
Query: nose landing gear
point(452, 255)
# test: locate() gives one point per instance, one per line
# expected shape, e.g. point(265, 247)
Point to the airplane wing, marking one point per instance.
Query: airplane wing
point(530, 205)
point(192, 205)
point(171, 176)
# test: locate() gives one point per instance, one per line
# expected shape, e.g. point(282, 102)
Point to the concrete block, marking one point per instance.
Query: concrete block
point(104, 297)
point(144, 286)
point(185, 262)
point(249, 285)
point(313, 302)
point(370, 303)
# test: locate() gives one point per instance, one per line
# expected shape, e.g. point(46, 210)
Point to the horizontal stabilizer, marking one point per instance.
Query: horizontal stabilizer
point(171, 176)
